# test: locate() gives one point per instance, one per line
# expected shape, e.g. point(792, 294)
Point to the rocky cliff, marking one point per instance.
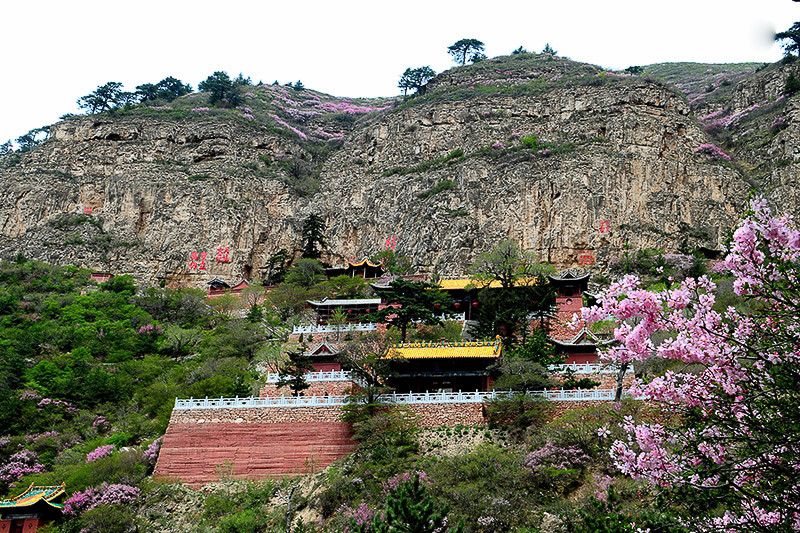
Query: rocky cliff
point(573, 162)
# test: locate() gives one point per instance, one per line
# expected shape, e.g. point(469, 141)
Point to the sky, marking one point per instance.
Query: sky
point(56, 51)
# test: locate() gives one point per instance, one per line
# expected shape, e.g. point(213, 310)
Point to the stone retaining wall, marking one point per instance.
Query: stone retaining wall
point(202, 445)
point(316, 388)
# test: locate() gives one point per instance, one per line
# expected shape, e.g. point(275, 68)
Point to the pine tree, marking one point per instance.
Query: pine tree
point(410, 510)
point(313, 237)
point(292, 372)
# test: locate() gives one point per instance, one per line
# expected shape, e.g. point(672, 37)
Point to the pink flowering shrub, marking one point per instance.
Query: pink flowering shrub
point(114, 494)
point(361, 517)
point(151, 453)
point(778, 124)
point(551, 456)
point(20, 464)
point(100, 451)
point(393, 482)
point(714, 151)
point(737, 440)
point(150, 329)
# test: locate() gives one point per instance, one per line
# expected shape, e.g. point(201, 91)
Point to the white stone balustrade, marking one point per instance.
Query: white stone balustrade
point(328, 328)
point(587, 368)
point(412, 398)
point(333, 375)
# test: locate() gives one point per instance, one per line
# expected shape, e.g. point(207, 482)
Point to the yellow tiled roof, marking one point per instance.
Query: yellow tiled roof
point(453, 284)
point(34, 494)
point(462, 283)
point(447, 350)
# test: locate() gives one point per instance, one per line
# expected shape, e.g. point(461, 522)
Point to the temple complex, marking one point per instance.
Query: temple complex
point(33, 508)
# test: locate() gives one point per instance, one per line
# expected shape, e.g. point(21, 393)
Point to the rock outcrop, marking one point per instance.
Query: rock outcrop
point(449, 174)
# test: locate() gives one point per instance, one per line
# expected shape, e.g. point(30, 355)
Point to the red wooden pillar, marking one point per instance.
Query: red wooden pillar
point(5, 526)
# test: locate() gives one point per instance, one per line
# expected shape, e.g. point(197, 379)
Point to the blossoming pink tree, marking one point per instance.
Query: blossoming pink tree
point(731, 418)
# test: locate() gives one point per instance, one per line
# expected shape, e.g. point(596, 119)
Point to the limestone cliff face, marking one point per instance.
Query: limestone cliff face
point(138, 195)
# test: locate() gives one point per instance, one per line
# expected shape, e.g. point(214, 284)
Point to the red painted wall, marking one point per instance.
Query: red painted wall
point(192, 452)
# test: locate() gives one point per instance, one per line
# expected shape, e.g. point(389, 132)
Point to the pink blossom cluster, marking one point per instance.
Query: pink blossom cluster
point(717, 121)
point(361, 515)
point(778, 124)
point(150, 329)
point(200, 109)
point(39, 436)
point(393, 482)
point(20, 464)
point(57, 403)
point(327, 136)
point(348, 108)
point(714, 151)
point(100, 451)
point(559, 457)
point(113, 494)
point(249, 95)
point(499, 145)
point(30, 395)
point(295, 113)
point(735, 439)
point(100, 422)
point(283, 123)
point(151, 453)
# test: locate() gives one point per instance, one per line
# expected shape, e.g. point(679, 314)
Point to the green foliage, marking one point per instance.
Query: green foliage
point(385, 434)
point(410, 302)
point(517, 412)
point(453, 157)
point(791, 38)
point(292, 372)
point(635, 70)
point(313, 235)
point(393, 262)
point(466, 49)
point(306, 272)
point(436, 189)
point(167, 89)
point(31, 139)
point(518, 51)
point(276, 267)
point(416, 78)
point(549, 50)
point(613, 515)
point(504, 311)
point(120, 284)
point(105, 98)
point(792, 85)
point(222, 90)
point(410, 510)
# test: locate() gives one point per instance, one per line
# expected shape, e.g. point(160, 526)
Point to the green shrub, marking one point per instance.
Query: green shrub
point(246, 521)
point(436, 189)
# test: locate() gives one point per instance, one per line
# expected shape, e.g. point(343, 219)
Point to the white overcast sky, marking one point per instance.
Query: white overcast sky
point(55, 51)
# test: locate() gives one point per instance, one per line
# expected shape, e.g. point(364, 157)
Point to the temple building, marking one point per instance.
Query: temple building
point(219, 286)
point(354, 308)
point(569, 287)
point(581, 348)
point(443, 366)
point(362, 269)
point(324, 357)
point(33, 508)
